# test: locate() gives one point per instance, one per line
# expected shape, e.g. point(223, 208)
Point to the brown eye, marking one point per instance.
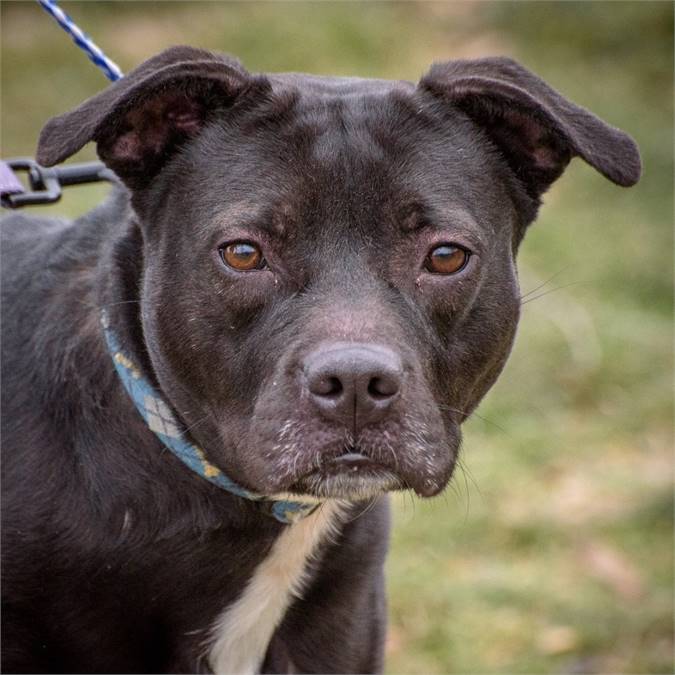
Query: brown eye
point(446, 259)
point(242, 256)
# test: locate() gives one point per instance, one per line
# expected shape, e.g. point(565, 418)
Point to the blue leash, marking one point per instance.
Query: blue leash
point(82, 40)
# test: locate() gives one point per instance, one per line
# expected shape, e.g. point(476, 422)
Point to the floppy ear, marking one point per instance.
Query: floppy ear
point(537, 130)
point(141, 119)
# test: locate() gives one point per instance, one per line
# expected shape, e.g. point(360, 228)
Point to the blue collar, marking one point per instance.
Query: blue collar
point(161, 420)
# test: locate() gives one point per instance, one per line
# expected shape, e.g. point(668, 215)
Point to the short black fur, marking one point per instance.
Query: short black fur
point(116, 558)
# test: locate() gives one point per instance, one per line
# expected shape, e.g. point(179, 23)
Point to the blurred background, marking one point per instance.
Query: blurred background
point(552, 551)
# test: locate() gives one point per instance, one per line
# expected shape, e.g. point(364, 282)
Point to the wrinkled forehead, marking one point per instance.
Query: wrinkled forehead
point(366, 151)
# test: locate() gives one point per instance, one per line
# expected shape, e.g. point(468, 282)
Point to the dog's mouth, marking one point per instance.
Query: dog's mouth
point(351, 475)
point(323, 462)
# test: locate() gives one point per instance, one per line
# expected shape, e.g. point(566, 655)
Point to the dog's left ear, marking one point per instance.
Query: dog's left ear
point(139, 121)
point(537, 130)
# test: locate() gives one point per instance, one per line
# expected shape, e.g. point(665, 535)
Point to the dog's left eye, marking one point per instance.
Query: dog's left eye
point(447, 259)
point(242, 256)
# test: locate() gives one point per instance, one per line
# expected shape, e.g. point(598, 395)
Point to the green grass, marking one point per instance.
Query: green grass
point(552, 551)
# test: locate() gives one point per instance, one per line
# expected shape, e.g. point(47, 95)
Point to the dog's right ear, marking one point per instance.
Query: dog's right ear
point(141, 120)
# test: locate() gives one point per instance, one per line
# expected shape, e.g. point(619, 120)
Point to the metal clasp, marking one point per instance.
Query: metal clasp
point(45, 183)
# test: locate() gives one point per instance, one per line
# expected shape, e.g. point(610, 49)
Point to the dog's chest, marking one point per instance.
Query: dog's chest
point(242, 632)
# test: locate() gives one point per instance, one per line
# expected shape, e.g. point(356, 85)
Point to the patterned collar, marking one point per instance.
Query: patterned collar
point(161, 420)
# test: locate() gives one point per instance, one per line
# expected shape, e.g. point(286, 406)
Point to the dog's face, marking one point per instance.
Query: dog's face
point(336, 301)
point(329, 285)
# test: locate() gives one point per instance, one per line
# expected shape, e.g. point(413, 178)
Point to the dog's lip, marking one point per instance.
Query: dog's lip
point(359, 485)
point(355, 461)
point(352, 462)
point(351, 466)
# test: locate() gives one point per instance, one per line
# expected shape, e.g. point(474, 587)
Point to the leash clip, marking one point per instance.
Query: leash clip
point(46, 183)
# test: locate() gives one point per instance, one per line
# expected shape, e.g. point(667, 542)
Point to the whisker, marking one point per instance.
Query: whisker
point(192, 426)
point(548, 281)
point(454, 488)
point(473, 414)
point(468, 492)
point(412, 500)
point(371, 502)
point(552, 290)
point(387, 445)
point(467, 472)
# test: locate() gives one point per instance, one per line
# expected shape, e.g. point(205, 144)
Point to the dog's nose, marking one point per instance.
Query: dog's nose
point(353, 383)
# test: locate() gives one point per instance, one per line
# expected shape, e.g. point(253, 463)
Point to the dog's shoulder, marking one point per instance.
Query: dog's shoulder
point(38, 251)
point(50, 272)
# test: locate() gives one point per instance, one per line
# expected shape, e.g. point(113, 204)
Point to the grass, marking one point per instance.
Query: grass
point(553, 549)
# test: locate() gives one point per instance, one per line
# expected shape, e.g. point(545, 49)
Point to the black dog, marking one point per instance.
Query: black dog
point(300, 292)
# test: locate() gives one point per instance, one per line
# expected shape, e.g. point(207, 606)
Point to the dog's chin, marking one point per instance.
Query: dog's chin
point(351, 477)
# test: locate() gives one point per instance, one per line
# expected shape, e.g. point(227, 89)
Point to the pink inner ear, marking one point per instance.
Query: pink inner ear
point(545, 157)
point(185, 115)
point(156, 123)
point(534, 139)
point(127, 147)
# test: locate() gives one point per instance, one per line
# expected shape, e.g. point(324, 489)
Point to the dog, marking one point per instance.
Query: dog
point(298, 290)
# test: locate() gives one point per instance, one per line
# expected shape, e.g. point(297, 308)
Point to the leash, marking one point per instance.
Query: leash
point(110, 69)
point(45, 184)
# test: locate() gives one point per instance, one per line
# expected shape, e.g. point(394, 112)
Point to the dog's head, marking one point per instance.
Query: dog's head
point(329, 284)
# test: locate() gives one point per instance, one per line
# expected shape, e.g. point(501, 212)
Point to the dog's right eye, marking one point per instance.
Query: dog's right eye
point(447, 259)
point(242, 256)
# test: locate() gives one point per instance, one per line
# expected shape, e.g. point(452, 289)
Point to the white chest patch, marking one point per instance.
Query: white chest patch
point(242, 632)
